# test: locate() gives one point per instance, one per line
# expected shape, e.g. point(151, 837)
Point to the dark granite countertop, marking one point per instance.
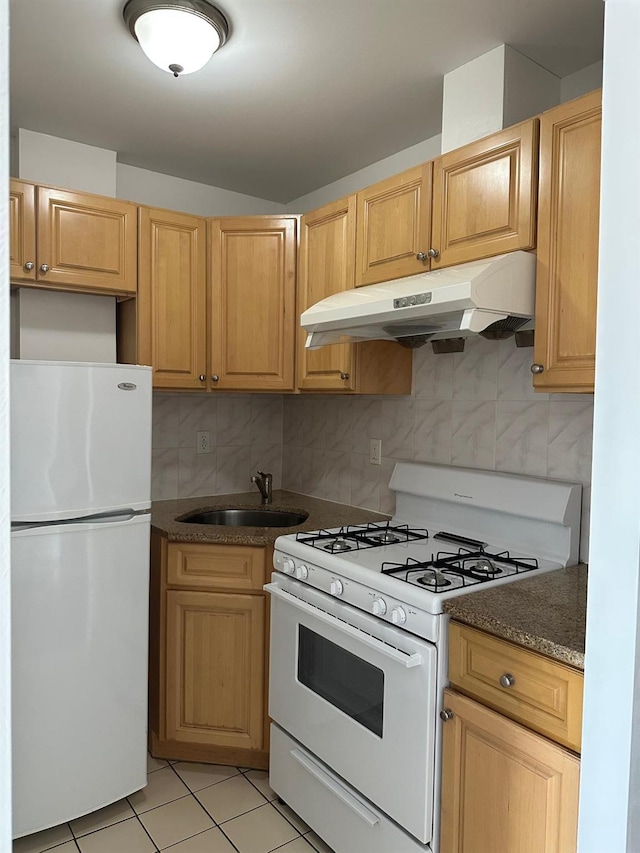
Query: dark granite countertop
point(546, 613)
point(322, 514)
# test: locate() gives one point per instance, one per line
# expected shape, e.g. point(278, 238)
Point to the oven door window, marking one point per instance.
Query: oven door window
point(351, 684)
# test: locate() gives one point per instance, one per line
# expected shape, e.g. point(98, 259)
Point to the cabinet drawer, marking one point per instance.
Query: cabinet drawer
point(215, 566)
point(544, 695)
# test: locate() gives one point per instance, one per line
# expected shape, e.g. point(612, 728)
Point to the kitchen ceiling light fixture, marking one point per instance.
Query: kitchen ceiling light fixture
point(179, 36)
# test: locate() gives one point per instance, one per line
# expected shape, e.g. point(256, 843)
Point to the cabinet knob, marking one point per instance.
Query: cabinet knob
point(421, 256)
point(446, 714)
point(202, 377)
point(215, 377)
point(44, 267)
point(507, 680)
point(537, 368)
point(433, 253)
point(344, 376)
point(29, 266)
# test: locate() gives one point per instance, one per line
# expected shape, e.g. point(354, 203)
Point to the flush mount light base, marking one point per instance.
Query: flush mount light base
point(179, 36)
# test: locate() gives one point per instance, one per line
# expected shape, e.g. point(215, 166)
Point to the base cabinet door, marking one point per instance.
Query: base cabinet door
point(172, 298)
point(568, 232)
point(215, 669)
point(504, 788)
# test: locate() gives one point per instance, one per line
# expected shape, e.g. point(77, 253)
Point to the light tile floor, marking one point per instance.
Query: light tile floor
point(186, 808)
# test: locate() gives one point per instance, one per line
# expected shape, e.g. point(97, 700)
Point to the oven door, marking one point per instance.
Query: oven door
point(360, 695)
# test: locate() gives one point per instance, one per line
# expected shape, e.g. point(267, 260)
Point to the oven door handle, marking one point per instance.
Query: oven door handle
point(380, 646)
point(338, 790)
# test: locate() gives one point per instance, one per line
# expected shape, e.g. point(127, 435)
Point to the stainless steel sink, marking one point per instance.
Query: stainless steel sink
point(246, 517)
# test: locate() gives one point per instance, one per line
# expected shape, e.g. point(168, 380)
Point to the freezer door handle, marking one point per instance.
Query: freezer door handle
point(334, 786)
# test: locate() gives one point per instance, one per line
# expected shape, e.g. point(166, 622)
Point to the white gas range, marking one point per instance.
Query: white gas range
point(358, 644)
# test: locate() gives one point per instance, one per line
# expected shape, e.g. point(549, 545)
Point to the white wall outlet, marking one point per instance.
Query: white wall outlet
point(375, 451)
point(203, 441)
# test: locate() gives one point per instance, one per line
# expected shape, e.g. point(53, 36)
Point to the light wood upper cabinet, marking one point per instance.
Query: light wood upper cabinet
point(394, 226)
point(568, 232)
point(22, 231)
point(172, 298)
point(252, 315)
point(504, 788)
point(484, 197)
point(75, 241)
point(326, 266)
point(215, 669)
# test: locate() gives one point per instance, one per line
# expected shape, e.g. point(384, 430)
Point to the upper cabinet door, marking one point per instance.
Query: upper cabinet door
point(484, 197)
point(172, 298)
point(394, 227)
point(253, 280)
point(86, 242)
point(22, 230)
point(568, 231)
point(326, 266)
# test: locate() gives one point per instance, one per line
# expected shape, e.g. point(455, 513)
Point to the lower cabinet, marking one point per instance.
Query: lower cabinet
point(208, 652)
point(504, 788)
point(509, 782)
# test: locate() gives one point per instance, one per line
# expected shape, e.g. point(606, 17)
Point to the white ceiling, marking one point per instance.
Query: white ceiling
point(303, 93)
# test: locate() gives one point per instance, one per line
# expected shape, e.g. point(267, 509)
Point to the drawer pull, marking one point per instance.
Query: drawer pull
point(507, 680)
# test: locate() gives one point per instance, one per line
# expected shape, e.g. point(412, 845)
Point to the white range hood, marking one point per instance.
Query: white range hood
point(493, 297)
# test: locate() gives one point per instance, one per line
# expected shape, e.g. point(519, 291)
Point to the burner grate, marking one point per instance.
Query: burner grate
point(354, 537)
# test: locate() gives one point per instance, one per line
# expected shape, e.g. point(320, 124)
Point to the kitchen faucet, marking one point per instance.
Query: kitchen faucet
point(263, 482)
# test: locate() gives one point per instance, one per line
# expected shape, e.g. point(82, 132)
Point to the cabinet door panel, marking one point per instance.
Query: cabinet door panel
point(484, 197)
point(172, 298)
point(503, 787)
point(225, 566)
point(88, 242)
point(568, 233)
point(253, 303)
point(22, 230)
point(327, 259)
point(215, 668)
point(393, 226)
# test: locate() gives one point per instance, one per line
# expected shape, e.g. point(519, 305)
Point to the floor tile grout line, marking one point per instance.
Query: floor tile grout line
point(144, 828)
point(93, 831)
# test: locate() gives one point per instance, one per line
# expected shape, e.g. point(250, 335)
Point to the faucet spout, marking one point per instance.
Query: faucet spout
point(264, 483)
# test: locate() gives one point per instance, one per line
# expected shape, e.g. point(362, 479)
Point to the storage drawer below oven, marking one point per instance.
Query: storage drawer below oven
point(339, 814)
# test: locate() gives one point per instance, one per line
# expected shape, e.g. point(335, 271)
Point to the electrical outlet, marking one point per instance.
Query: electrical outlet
point(375, 451)
point(203, 441)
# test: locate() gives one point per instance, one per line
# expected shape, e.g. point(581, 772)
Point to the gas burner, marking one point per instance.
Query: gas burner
point(434, 580)
point(482, 567)
point(337, 546)
point(385, 537)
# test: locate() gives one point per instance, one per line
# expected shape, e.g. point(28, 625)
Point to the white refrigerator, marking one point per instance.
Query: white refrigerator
point(80, 501)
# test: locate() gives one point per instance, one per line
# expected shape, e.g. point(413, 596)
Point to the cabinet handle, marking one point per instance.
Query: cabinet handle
point(421, 256)
point(215, 378)
point(344, 376)
point(29, 266)
point(433, 253)
point(446, 714)
point(537, 368)
point(44, 267)
point(202, 377)
point(507, 680)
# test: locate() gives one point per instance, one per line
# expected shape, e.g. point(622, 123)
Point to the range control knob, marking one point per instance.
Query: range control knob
point(398, 616)
point(302, 573)
point(379, 607)
point(288, 567)
point(336, 587)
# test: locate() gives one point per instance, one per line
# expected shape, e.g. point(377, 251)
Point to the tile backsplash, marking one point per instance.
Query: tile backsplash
point(473, 409)
point(245, 435)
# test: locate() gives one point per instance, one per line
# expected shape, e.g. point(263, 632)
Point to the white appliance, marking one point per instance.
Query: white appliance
point(493, 297)
point(358, 644)
point(80, 500)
